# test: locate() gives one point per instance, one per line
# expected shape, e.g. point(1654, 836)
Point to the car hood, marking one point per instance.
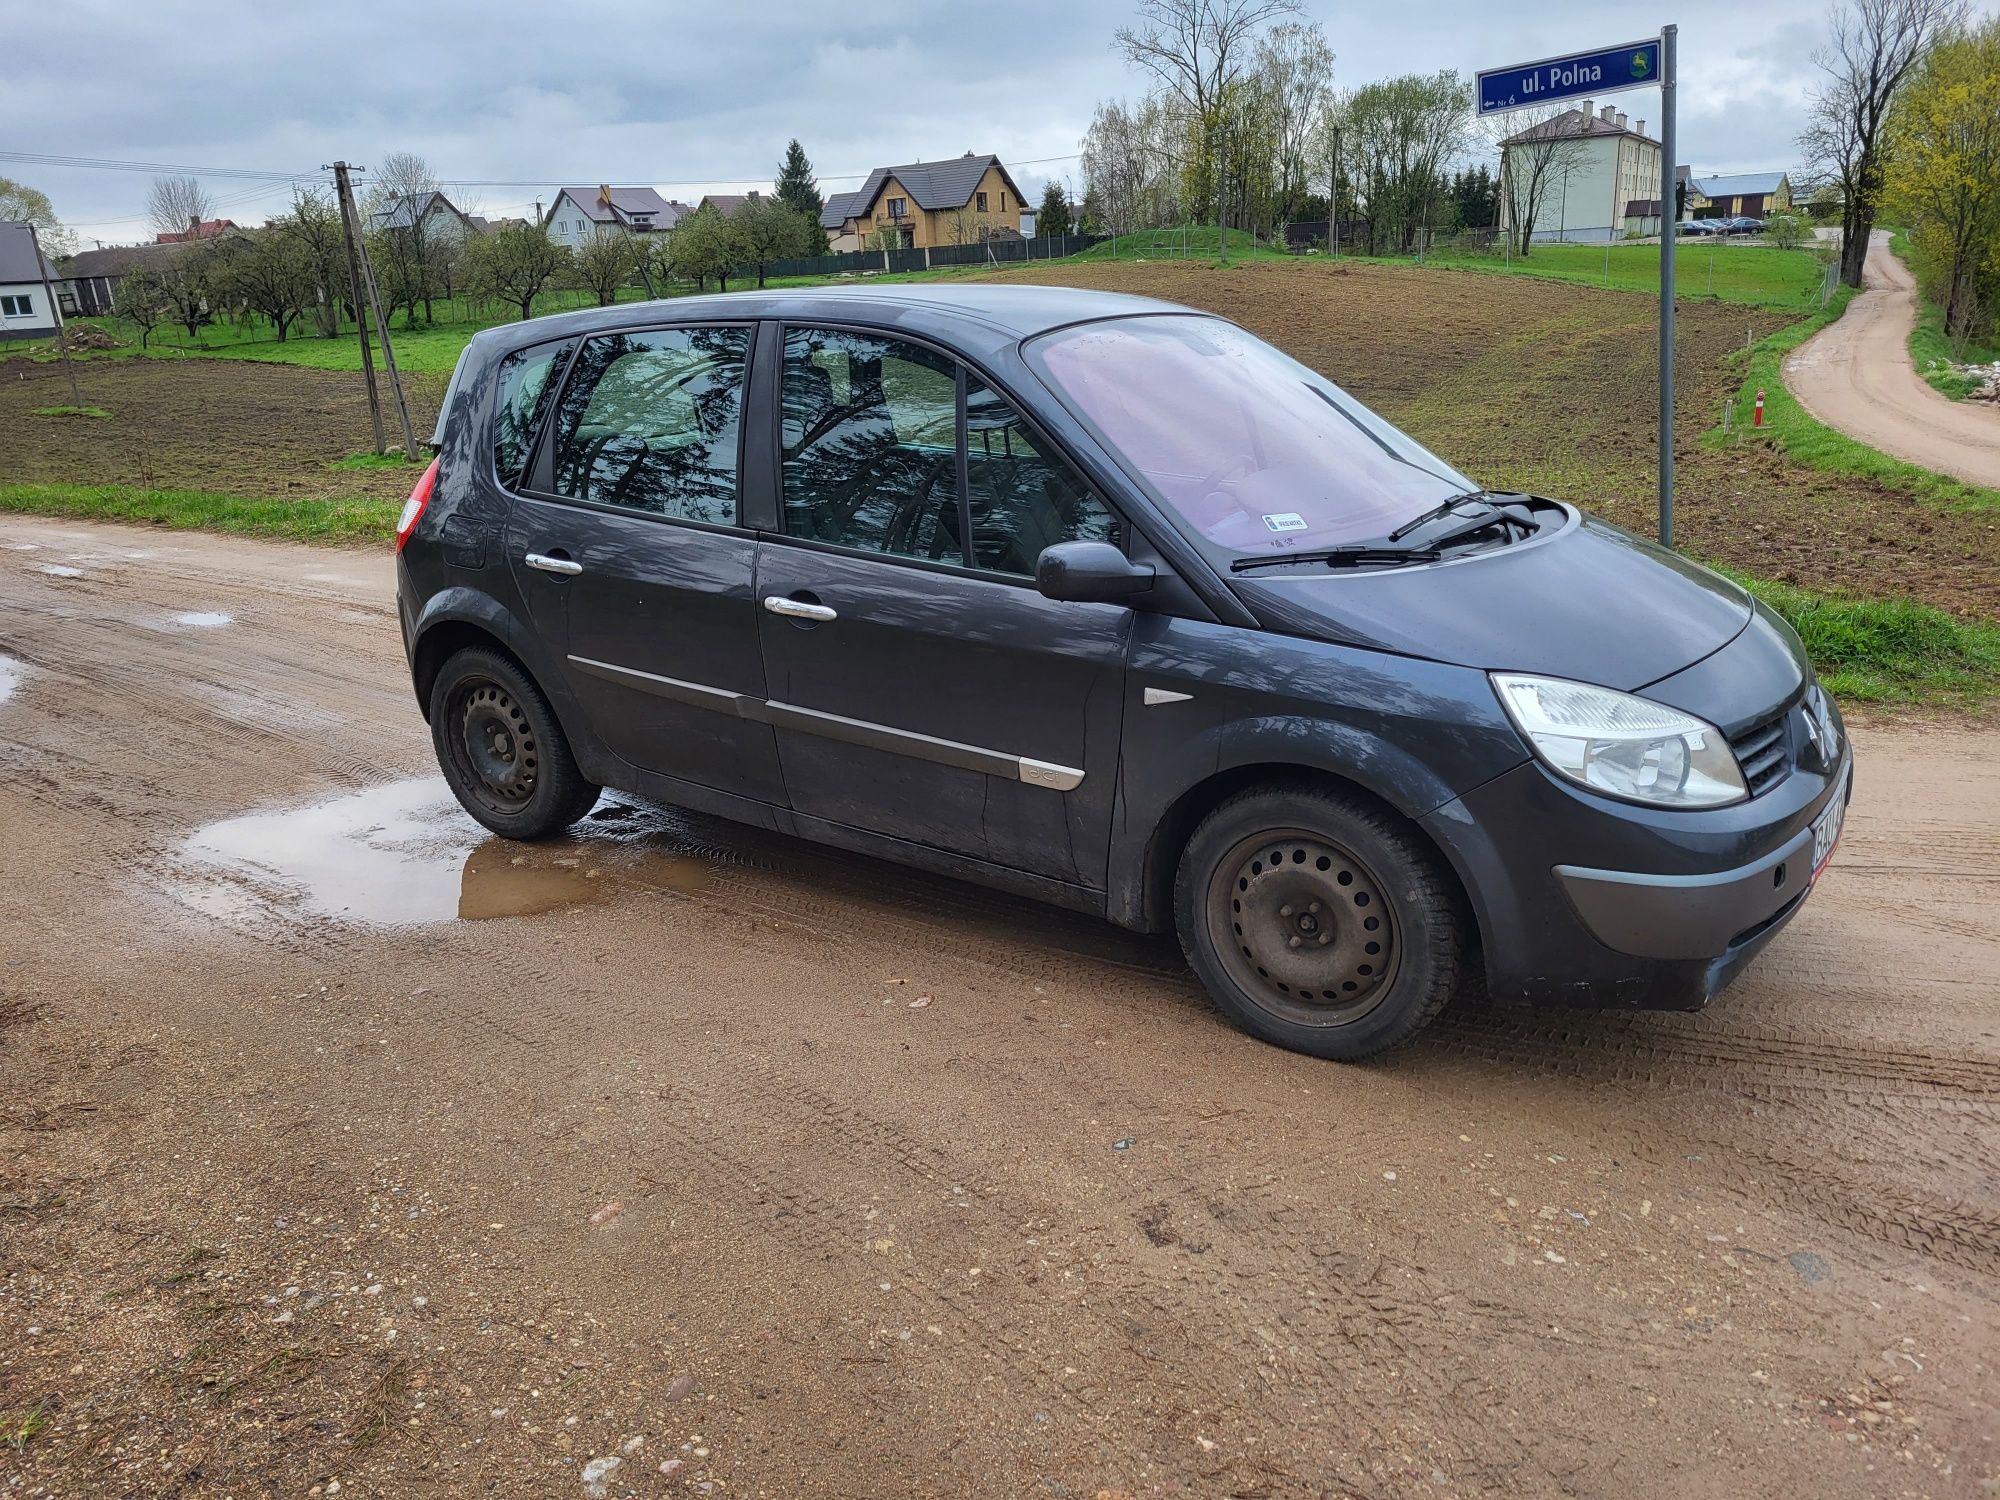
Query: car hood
point(1589, 602)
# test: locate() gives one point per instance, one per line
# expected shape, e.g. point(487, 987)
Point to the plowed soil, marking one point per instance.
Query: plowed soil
point(1541, 386)
point(343, 1151)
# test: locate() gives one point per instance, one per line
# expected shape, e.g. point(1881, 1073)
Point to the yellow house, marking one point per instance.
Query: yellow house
point(926, 203)
point(1754, 195)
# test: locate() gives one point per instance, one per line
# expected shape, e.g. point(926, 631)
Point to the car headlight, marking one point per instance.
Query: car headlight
point(1620, 745)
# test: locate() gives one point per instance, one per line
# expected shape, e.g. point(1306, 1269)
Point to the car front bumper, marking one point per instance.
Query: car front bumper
point(1586, 902)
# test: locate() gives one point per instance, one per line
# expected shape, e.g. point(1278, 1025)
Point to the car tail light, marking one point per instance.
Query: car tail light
point(414, 507)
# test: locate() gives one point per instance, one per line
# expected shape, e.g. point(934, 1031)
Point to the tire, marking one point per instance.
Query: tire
point(1348, 943)
point(501, 749)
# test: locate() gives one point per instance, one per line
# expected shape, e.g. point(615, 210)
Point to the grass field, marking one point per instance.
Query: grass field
point(1749, 275)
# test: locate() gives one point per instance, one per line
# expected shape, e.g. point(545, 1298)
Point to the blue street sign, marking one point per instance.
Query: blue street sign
point(1633, 66)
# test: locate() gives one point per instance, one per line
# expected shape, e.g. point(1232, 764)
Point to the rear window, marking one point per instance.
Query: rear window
point(1253, 452)
point(520, 403)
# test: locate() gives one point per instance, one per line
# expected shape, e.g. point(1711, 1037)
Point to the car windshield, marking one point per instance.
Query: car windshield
point(1255, 453)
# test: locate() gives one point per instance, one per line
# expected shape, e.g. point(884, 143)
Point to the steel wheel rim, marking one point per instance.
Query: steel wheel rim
point(1304, 927)
point(493, 746)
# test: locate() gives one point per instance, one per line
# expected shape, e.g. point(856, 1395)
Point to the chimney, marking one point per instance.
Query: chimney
point(604, 194)
point(1586, 108)
point(1622, 120)
point(194, 223)
point(1606, 113)
point(1642, 127)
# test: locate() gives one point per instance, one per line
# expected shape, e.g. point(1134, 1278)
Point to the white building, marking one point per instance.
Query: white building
point(432, 215)
point(25, 309)
point(1591, 185)
point(580, 213)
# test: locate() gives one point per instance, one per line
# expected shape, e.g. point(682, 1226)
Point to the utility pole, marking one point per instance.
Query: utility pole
point(55, 314)
point(1333, 202)
point(1222, 213)
point(1669, 46)
point(345, 193)
point(358, 249)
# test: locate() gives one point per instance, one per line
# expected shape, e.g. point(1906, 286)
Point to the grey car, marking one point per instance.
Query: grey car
point(1105, 601)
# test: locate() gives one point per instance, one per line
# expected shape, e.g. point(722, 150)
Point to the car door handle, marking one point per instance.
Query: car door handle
point(542, 562)
point(798, 609)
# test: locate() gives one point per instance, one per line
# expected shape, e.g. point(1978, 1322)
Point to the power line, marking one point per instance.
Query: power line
point(156, 168)
point(556, 182)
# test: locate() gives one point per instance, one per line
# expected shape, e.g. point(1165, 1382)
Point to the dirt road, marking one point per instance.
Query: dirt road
point(1856, 376)
point(343, 1151)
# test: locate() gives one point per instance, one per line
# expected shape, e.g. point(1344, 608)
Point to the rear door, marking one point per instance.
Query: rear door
point(628, 544)
point(920, 686)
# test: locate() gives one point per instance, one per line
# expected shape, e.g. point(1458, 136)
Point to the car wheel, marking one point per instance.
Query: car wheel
point(1319, 922)
point(502, 751)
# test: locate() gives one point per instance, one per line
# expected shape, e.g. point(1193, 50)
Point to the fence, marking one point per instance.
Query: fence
point(977, 253)
point(1309, 234)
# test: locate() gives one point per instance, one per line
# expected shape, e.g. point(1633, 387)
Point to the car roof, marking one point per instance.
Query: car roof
point(975, 319)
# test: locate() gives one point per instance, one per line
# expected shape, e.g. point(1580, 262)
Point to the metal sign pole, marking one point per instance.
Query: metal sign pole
point(1669, 224)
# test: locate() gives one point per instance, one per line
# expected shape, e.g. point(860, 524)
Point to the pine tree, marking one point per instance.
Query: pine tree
point(1052, 218)
point(798, 190)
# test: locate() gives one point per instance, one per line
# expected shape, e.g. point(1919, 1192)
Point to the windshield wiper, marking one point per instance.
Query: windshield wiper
point(1502, 516)
point(1341, 557)
point(1436, 512)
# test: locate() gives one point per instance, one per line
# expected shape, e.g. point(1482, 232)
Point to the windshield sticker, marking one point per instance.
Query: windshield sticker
point(1289, 520)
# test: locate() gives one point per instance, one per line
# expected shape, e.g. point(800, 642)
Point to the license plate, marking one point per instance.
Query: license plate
point(1826, 830)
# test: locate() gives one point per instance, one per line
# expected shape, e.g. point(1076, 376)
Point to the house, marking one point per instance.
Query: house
point(95, 275)
point(25, 310)
point(1753, 195)
point(726, 203)
point(1613, 163)
point(430, 215)
point(199, 229)
point(580, 213)
point(957, 202)
point(836, 220)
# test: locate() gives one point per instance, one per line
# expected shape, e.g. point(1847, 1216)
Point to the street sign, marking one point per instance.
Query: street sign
point(1636, 65)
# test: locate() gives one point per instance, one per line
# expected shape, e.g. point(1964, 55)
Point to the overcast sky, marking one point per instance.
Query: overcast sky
point(510, 99)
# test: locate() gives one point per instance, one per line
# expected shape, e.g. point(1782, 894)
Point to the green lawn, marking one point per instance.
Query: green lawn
point(1788, 426)
point(339, 520)
point(1753, 275)
point(1931, 351)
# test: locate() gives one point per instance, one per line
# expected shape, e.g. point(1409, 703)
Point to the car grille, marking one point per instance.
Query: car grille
point(1764, 752)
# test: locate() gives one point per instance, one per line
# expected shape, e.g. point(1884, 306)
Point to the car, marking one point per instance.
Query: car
point(1108, 602)
point(1743, 224)
point(1700, 228)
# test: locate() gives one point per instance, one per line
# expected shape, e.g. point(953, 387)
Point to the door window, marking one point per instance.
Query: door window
point(650, 422)
point(871, 444)
point(1023, 496)
point(520, 404)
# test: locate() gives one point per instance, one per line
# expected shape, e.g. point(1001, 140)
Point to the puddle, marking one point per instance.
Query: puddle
point(11, 673)
point(58, 570)
point(24, 546)
point(405, 854)
point(206, 618)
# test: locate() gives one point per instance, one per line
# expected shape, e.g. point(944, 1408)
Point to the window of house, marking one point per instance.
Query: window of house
point(870, 440)
point(650, 421)
point(1003, 203)
point(982, 201)
point(16, 307)
point(520, 403)
point(1022, 496)
point(898, 207)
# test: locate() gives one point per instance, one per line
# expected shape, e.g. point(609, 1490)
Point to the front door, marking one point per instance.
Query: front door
point(919, 685)
point(629, 551)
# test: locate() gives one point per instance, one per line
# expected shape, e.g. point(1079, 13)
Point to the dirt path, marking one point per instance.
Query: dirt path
point(1856, 376)
point(339, 1144)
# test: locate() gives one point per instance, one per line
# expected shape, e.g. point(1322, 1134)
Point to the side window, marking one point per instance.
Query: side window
point(520, 404)
point(649, 421)
point(1023, 496)
point(871, 444)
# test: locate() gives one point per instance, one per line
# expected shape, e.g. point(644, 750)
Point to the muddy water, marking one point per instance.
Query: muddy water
point(59, 570)
point(11, 673)
point(405, 854)
point(206, 619)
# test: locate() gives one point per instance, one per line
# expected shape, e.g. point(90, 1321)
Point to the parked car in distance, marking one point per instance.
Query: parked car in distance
point(1700, 228)
point(1743, 224)
point(1108, 602)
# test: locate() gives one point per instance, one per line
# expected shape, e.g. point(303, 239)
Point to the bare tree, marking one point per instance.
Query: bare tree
point(399, 175)
point(1196, 48)
point(176, 204)
point(1874, 45)
point(1295, 76)
point(1538, 150)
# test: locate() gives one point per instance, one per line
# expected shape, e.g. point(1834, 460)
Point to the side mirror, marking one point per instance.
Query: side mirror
point(1090, 573)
